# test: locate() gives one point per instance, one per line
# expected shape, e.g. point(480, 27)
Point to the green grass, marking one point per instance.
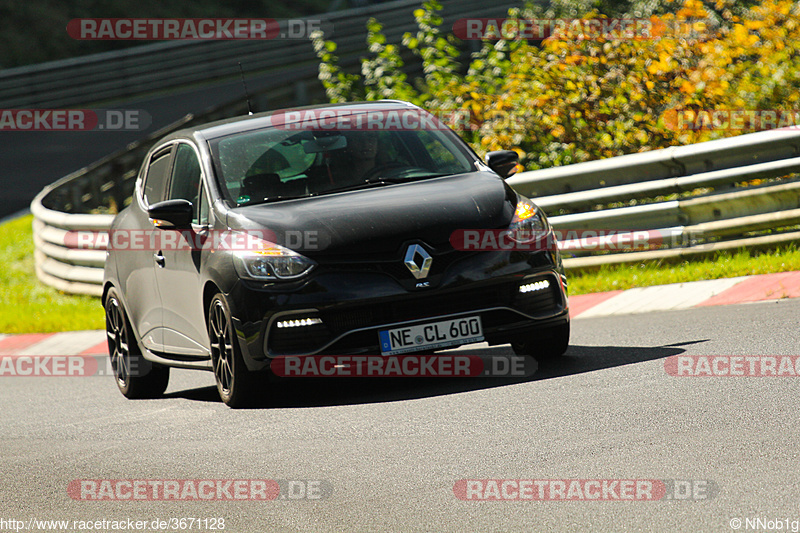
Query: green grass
point(32, 307)
point(28, 305)
point(724, 265)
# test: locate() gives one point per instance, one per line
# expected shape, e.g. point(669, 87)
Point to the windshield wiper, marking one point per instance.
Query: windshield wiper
point(383, 181)
point(362, 185)
point(414, 177)
point(270, 199)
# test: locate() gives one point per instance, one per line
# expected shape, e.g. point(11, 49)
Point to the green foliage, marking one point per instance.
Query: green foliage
point(339, 85)
point(439, 53)
point(565, 101)
point(383, 74)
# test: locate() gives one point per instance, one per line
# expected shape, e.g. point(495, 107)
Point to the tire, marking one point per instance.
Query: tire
point(235, 383)
point(544, 345)
point(136, 377)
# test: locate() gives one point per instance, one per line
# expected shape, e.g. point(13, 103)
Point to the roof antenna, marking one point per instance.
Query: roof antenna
point(246, 96)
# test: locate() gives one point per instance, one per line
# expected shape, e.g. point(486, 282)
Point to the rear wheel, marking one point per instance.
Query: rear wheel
point(135, 377)
point(236, 385)
point(544, 345)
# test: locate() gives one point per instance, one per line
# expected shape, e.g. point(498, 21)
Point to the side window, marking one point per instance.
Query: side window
point(185, 183)
point(156, 178)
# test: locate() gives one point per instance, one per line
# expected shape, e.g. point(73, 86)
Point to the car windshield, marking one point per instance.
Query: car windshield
point(279, 163)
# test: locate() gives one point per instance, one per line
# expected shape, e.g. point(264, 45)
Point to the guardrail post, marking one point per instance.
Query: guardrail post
point(300, 93)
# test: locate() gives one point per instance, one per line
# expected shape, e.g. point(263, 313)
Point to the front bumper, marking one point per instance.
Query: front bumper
point(350, 305)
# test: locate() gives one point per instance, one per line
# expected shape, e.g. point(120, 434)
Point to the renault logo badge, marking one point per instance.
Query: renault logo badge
point(418, 261)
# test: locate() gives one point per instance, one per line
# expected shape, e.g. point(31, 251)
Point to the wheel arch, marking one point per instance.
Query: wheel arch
point(107, 286)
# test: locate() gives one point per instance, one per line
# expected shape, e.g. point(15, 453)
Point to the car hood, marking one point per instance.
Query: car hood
point(381, 219)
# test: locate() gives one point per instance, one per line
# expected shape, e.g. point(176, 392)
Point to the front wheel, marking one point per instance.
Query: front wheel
point(544, 345)
point(235, 383)
point(136, 377)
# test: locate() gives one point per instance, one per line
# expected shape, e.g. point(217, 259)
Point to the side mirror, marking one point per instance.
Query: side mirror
point(171, 213)
point(503, 162)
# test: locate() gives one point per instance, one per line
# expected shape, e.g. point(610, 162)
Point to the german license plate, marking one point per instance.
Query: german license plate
point(431, 336)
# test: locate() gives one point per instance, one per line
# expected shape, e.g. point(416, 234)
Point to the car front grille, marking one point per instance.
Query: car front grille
point(345, 318)
point(341, 319)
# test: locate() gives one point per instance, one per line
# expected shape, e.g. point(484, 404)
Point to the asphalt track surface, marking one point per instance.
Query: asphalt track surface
point(391, 450)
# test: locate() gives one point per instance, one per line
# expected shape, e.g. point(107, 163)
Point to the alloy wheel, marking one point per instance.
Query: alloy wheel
point(118, 342)
point(221, 348)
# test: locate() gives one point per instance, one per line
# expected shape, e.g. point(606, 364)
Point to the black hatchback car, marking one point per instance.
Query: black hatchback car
point(320, 230)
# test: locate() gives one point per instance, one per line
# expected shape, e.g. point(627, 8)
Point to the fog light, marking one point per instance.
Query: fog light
point(299, 323)
point(536, 286)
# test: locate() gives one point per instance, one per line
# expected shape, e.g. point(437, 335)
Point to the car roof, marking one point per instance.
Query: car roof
point(222, 128)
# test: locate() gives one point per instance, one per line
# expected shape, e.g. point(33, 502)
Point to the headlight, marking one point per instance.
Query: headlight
point(269, 261)
point(529, 223)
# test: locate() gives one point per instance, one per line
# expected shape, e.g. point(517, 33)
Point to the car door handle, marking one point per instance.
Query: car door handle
point(160, 261)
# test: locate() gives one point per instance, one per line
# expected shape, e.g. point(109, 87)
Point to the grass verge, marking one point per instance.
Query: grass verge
point(29, 306)
point(723, 265)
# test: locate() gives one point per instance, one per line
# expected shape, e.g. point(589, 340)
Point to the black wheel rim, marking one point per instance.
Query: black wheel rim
point(221, 348)
point(118, 347)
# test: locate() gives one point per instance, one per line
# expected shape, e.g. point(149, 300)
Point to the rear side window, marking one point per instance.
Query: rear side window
point(185, 183)
point(157, 173)
point(202, 215)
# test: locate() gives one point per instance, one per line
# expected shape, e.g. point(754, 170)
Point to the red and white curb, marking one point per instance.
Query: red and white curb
point(84, 343)
point(640, 300)
point(685, 295)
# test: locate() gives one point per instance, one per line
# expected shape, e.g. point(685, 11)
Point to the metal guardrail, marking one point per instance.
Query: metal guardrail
point(673, 162)
point(728, 218)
